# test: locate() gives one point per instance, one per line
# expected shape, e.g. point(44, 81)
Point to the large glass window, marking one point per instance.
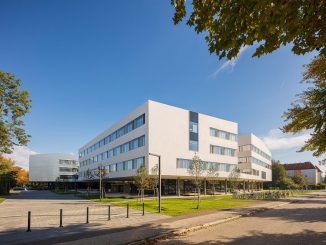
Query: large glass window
point(193, 127)
point(193, 145)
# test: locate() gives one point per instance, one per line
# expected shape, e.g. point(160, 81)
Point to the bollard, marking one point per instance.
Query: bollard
point(109, 212)
point(60, 218)
point(128, 210)
point(87, 215)
point(29, 222)
point(143, 208)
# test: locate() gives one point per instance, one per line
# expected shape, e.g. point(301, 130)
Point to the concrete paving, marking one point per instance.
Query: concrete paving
point(45, 207)
point(302, 222)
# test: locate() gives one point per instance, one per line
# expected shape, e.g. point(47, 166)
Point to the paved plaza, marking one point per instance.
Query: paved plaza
point(45, 208)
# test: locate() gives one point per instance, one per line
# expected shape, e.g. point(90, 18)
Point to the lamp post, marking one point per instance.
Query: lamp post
point(159, 180)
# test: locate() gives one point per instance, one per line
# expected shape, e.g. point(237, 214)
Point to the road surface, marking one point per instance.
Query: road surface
point(303, 222)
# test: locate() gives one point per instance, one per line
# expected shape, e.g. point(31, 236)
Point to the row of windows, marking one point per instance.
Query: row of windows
point(68, 162)
point(121, 166)
point(260, 152)
point(224, 167)
point(66, 169)
point(223, 134)
point(255, 161)
point(254, 149)
point(139, 121)
point(222, 150)
point(133, 144)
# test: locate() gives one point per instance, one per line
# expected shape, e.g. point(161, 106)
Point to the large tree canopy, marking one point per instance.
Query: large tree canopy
point(309, 111)
point(230, 25)
point(14, 104)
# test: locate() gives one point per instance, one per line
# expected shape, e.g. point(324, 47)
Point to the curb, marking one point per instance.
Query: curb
point(182, 231)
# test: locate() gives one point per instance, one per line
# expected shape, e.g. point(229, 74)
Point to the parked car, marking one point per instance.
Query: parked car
point(19, 188)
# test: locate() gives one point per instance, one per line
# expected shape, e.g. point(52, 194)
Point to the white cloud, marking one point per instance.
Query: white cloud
point(230, 64)
point(21, 155)
point(276, 140)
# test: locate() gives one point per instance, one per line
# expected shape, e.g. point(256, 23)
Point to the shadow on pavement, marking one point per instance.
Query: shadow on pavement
point(308, 237)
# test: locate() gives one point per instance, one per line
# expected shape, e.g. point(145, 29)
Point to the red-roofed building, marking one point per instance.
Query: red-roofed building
point(306, 169)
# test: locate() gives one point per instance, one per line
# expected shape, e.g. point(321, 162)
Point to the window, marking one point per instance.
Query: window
point(193, 145)
point(120, 166)
point(263, 175)
point(125, 147)
point(134, 144)
point(141, 141)
point(213, 132)
point(193, 127)
point(214, 149)
point(222, 134)
point(138, 162)
point(128, 165)
point(183, 163)
point(113, 168)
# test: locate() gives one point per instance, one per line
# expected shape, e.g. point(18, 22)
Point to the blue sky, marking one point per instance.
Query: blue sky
point(88, 63)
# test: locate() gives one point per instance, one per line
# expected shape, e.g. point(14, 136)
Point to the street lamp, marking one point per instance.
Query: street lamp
point(159, 180)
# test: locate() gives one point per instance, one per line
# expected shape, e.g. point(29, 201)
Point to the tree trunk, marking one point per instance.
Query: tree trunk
point(198, 200)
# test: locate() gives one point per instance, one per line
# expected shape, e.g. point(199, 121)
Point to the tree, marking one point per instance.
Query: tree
point(14, 104)
point(299, 180)
point(153, 180)
point(141, 180)
point(309, 111)
point(100, 172)
point(278, 174)
point(21, 176)
point(231, 25)
point(196, 170)
point(90, 176)
point(7, 175)
point(234, 178)
point(212, 175)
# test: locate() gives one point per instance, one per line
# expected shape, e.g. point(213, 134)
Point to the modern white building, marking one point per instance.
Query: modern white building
point(173, 133)
point(53, 167)
point(311, 172)
point(254, 157)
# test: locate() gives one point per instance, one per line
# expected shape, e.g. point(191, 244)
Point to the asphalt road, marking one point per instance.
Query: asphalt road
point(303, 222)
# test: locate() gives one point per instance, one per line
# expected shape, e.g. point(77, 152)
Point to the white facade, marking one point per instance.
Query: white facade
point(254, 157)
point(173, 133)
point(311, 172)
point(50, 167)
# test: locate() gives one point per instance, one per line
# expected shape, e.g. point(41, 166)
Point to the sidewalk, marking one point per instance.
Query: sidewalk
point(175, 225)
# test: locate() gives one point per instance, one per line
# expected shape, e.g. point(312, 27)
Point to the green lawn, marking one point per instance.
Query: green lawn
point(2, 199)
point(177, 206)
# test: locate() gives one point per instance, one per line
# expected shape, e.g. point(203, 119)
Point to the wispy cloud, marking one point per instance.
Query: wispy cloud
point(21, 155)
point(276, 140)
point(229, 64)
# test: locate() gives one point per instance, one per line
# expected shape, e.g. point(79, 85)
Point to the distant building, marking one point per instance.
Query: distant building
point(53, 167)
point(254, 157)
point(306, 169)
